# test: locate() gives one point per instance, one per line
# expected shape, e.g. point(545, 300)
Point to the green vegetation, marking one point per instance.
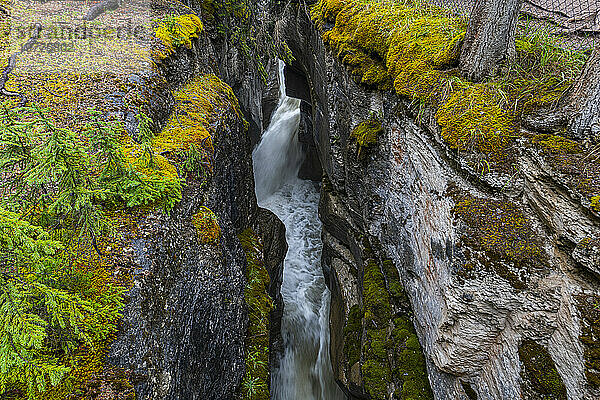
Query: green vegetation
point(60, 305)
point(49, 310)
point(66, 197)
point(578, 165)
point(376, 370)
point(500, 230)
point(539, 369)
point(589, 309)
point(410, 363)
point(175, 31)
point(207, 226)
point(595, 203)
point(236, 22)
point(353, 335)
point(414, 48)
point(366, 133)
point(255, 385)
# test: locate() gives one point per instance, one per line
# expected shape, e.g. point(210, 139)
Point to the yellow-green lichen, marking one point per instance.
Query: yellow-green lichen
point(207, 226)
point(366, 133)
point(176, 31)
point(255, 385)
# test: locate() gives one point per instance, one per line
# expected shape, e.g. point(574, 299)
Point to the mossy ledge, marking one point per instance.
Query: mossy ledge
point(578, 168)
point(380, 337)
point(497, 236)
point(414, 49)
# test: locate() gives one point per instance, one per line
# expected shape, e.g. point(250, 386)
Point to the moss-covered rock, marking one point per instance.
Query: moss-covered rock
point(255, 385)
point(499, 236)
point(589, 308)
point(381, 337)
point(175, 31)
point(575, 163)
point(416, 47)
point(207, 225)
point(353, 331)
point(539, 372)
point(366, 133)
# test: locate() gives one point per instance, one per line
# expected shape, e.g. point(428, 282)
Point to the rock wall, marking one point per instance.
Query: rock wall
point(186, 321)
point(500, 278)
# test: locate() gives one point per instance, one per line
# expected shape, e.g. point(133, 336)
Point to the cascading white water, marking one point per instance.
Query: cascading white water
point(305, 369)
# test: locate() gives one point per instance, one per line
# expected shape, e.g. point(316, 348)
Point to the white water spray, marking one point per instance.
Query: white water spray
point(305, 369)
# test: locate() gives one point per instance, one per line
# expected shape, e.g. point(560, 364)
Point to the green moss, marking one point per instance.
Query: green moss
point(539, 369)
point(202, 106)
point(385, 335)
point(366, 133)
point(501, 231)
point(375, 296)
point(595, 203)
point(557, 144)
point(589, 308)
point(353, 335)
point(207, 225)
point(392, 278)
point(579, 169)
point(375, 370)
point(473, 117)
point(255, 385)
point(176, 31)
point(410, 363)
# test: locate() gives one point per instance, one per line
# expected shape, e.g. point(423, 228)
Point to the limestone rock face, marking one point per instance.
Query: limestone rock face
point(500, 275)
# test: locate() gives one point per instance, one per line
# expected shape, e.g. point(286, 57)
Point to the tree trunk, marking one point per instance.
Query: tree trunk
point(583, 102)
point(490, 38)
point(578, 112)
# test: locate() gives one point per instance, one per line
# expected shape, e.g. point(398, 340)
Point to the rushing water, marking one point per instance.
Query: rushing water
point(305, 369)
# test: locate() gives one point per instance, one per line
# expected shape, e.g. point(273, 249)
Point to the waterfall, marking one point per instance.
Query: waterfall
point(305, 368)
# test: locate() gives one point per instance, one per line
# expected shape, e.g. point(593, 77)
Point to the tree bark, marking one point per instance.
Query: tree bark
point(578, 112)
point(490, 38)
point(583, 102)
